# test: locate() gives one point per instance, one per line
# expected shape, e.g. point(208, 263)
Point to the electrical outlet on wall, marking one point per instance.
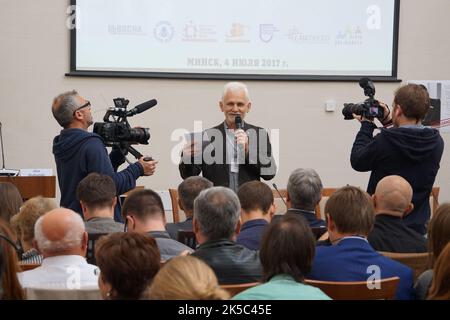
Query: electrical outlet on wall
point(330, 105)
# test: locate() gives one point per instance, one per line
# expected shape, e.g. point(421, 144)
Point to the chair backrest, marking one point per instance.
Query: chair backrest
point(419, 262)
point(90, 254)
point(28, 266)
point(176, 210)
point(326, 193)
point(62, 294)
point(234, 289)
point(358, 290)
point(280, 201)
point(187, 237)
point(434, 200)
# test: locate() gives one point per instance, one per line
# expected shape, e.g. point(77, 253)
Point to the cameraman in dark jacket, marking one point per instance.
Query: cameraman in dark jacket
point(79, 152)
point(409, 149)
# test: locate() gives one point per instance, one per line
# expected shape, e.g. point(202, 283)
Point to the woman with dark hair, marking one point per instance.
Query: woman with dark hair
point(10, 201)
point(286, 254)
point(438, 238)
point(127, 262)
point(9, 266)
point(440, 286)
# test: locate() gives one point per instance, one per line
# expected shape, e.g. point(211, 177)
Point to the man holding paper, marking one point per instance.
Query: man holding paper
point(233, 152)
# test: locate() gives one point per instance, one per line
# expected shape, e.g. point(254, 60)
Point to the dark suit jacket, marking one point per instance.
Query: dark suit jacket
point(259, 163)
point(391, 234)
point(251, 233)
point(350, 259)
point(231, 262)
point(310, 217)
point(172, 228)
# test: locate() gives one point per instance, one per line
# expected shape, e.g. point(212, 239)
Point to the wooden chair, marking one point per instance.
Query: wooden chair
point(234, 289)
point(175, 208)
point(187, 237)
point(28, 266)
point(62, 294)
point(90, 254)
point(357, 290)
point(419, 262)
point(326, 193)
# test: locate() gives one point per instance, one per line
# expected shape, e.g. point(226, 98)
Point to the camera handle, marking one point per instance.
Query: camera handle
point(137, 154)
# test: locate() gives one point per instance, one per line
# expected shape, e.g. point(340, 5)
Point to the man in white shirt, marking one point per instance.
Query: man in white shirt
point(61, 238)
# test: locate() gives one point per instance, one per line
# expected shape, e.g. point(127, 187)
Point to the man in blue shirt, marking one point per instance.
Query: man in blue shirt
point(257, 209)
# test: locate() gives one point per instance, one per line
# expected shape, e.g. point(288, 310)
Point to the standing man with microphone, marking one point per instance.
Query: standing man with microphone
point(233, 152)
point(79, 152)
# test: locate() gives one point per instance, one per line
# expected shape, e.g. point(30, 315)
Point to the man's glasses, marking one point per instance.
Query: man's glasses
point(87, 104)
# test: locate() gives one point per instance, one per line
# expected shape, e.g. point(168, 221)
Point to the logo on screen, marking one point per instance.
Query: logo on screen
point(266, 32)
point(238, 33)
point(163, 31)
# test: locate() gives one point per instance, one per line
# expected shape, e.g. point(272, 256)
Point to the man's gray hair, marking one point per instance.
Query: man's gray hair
point(217, 211)
point(235, 86)
point(304, 188)
point(70, 240)
point(64, 106)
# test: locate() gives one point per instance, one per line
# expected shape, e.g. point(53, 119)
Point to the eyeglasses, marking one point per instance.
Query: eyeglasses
point(87, 104)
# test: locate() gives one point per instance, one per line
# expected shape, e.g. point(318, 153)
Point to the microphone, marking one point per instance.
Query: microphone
point(238, 122)
point(279, 193)
point(141, 108)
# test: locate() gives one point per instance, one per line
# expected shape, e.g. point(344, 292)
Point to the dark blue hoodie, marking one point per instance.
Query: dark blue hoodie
point(413, 153)
point(79, 152)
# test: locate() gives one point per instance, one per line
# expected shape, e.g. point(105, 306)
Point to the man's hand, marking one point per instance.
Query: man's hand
point(149, 166)
point(387, 118)
point(191, 149)
point(241, 139)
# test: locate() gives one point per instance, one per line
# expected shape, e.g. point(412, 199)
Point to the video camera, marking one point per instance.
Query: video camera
point(369, 109)
point(117, 132)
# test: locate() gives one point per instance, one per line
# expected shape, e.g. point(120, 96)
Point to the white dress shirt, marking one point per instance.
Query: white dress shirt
point(61, 272)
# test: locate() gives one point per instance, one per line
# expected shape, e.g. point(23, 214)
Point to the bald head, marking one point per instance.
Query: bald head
point(60, 231)
point(393, 196)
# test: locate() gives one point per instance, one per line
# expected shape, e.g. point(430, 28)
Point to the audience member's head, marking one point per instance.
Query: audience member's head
point(393, 196)
point(127, 262)
point(288, 247)
point(10, 200)
point(349, 212)
point(439, 230)
point(186, 278)
point(25, 220)
point(440, 286)
point(143, 211)
point(188, 190)
point(97, 196)
point(60, 232)
point(9, 266)
point(256, 200)
point(304, 189)
point(216, 214)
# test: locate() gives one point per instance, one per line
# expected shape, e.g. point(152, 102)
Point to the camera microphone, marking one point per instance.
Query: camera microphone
point(141, 108)
point(238, 122)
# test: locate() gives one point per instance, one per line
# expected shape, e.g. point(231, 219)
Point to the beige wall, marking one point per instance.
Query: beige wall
point(34, 56)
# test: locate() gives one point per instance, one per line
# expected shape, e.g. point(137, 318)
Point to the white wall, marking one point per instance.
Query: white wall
point(34, 56)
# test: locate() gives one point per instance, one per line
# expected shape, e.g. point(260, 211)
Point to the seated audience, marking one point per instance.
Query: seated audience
point(10, 288)
point(127, 262)
point(186, 278)
point(440, 286)
point(257, 209)
point(304, 191)
point(350, 218)
point(392, 201)
point(62, 240)
point(438, 238)
point(287, 252)
point(143, 212)
point(24, 223)
point(97, 196)
point(10, 201)
point(188, 190)
point(216, 222)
